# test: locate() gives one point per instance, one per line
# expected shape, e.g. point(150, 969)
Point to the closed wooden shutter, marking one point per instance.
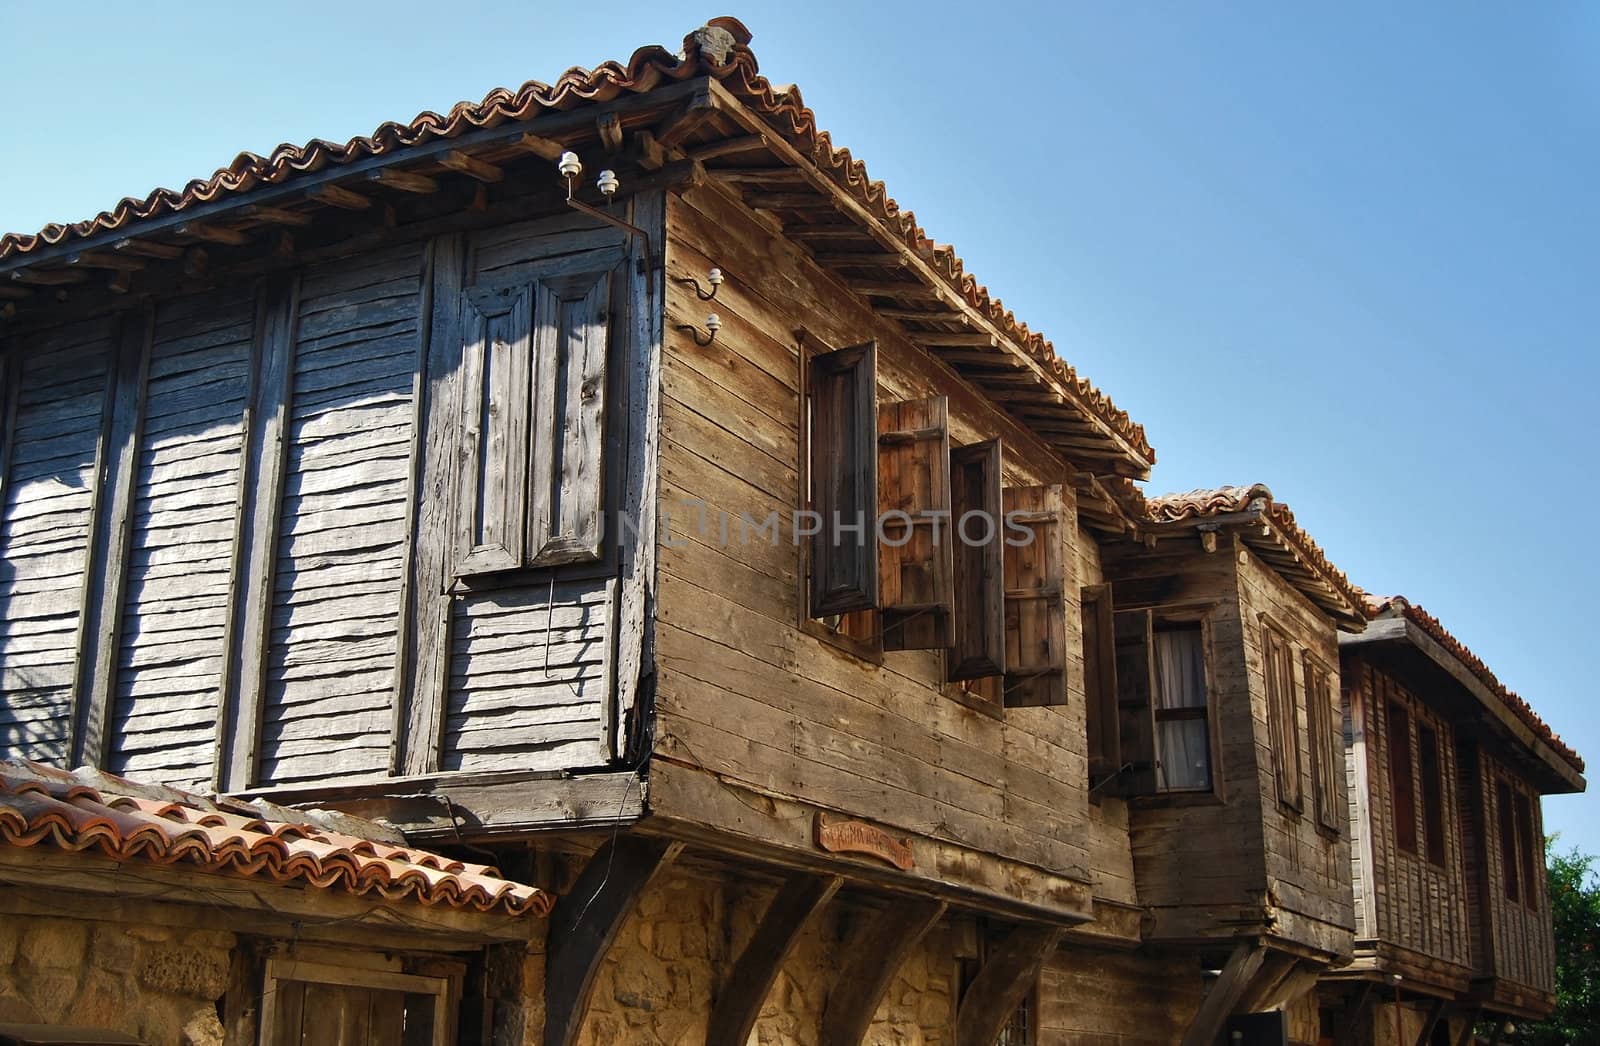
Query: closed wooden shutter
point(977, 509)
point(842, 387)
point(1282, 716)
point(566, 499)
point(497, 325)
point(532, 422)
point(1035, 571)
point(1103, 725)
point(915, 568)
point(1136, 686)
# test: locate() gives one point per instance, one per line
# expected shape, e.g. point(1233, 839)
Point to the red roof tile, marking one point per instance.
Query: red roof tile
point(44, 806)
point(719, 50)
point(1389, 606)
point(1223, 501)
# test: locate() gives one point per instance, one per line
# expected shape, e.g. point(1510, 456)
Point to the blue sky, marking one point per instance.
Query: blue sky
point(1348, 252)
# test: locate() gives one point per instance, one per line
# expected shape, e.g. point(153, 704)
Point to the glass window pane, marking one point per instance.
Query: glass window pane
point(1180, 669)
point(1183, 757)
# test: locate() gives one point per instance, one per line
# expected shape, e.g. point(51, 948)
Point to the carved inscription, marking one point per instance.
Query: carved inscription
point(858, 837)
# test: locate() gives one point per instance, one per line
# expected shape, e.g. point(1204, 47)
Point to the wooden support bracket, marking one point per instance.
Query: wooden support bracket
point(738, 1004)
point(1435, 1014)
point(585, 923)
point(1354, 1014)
point(874, 961)
point(1237, 975)
point(1002, 983)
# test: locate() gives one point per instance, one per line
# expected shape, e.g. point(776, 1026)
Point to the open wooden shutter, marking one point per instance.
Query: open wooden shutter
point(1136, 687)
point(980, 585)
point(1036, 624)
point(496, 326)
point(842, 387)
point(566, 495)
point(1102, 721)
point(915, 567)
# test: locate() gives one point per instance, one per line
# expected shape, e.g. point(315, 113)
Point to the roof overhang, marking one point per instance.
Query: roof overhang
point(708, 111)
point(1400, 645)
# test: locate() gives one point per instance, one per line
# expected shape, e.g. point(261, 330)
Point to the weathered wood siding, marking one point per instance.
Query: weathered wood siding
point(273, 560)
point(1197, 860)
point(341, 548)
point(175, 616)
point(53, 429)
point(744, 691)
point(1518, 941)
point(1308, 868)
point(1417, 907)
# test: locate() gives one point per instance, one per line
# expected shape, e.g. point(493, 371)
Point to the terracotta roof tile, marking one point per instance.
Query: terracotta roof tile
point(1390, 606)
point(719, 50)
point(45, 806)
point(1223, 501)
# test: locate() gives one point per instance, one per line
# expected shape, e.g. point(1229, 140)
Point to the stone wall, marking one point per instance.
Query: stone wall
point(678, 947)
point(158, 984)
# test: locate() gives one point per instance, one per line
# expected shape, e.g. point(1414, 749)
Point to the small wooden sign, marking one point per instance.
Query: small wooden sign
point(858, 837)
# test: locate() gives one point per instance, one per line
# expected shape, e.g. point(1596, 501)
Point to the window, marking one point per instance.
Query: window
point(1508, 840)
point(315, 1001)
point(1528, 844)
point(1183, 734)
point(1100, 686)
point(841, 393)
point(1327, 746)
point(1432, 793)
point(976, 510)
point(1283, 718)
point(531, 421)
point(1019, 1030)
point(1402, 784)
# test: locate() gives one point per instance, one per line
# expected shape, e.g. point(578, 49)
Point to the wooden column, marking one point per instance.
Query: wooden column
point(738, 1004)
point(1002, 983)
point(255, 553)
point(585, 922)
point(874, 961)
point(106, 566)
point(1237, 975)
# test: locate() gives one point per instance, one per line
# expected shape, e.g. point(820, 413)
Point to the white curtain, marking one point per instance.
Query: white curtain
point(1183, 753)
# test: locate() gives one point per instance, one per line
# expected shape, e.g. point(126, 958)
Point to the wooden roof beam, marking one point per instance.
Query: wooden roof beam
point(405, 181)
point(472, 167)
point(339, 196)
point(213, 234)
point(99, 260)
point(545, 148)
point(278, 216)
point(148, 249)
point(728, 147)
point(49, 277)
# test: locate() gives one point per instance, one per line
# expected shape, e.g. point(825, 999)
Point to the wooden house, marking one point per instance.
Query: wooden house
point(1446, 769)
point(609, 479)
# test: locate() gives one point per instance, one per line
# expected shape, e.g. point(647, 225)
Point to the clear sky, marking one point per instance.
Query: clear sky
point(1349, 252)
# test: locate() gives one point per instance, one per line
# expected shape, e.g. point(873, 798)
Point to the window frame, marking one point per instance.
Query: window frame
point(1325, 722)
point(1283, 715)
point(1435, 829)
point(1208, 713)
point(341, 975)
point(1405, 841)
point(1510, 866)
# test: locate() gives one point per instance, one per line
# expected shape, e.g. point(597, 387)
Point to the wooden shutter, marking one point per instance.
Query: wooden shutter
point(1282, 716)
point(915, 559)
point(1136, 689)
point(566, 495)
point(1036, 624)
point(979, 650)
point(1102, 723)
point(496, 325)
point(842, 387)
point(1327, 746)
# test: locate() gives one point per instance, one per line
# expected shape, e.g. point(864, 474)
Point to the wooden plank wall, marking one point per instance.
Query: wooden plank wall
point(54, 422)
point(1199, 888)
point(743, 690)
point(268, 468)
point(1416, 905)
point(1520, 933)
point(1089, 997)
point(1308, 869)
point(341, 545)
point(163, 723)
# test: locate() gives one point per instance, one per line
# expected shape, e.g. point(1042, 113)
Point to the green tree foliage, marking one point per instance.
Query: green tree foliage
point(1575, 907)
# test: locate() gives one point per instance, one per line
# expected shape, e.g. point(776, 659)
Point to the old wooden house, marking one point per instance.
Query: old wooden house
point(1446, 769)
point(609, 482)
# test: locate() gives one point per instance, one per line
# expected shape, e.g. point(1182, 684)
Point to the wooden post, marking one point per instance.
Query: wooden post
point(585, 922)
point(738, 1004)
point(1435, 1012)
point(873, 963)
point(1002, 983)
point(106, 568)
point(1242, 967)
point(1469, 1019)
point(256, 542)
